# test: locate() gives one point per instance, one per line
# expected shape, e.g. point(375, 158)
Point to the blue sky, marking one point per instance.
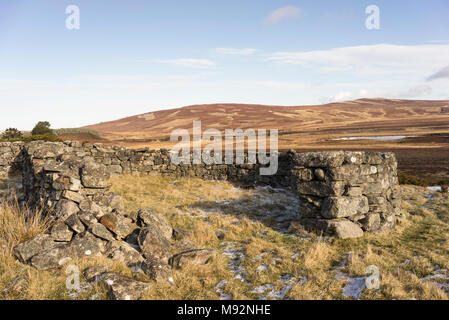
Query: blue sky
point(131, 57)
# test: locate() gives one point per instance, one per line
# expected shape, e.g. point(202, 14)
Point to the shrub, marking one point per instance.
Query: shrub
point(11, 133)
point(42, 128)
point(42, 137)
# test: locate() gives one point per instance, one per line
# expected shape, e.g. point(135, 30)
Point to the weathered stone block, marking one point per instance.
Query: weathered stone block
point(343, 228)
point(94, 175)
point(321, 188)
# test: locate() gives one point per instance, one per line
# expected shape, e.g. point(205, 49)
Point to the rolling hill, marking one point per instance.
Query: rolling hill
point(380, 116)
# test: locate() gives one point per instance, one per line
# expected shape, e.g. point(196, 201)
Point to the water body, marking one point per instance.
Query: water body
point(380, 138)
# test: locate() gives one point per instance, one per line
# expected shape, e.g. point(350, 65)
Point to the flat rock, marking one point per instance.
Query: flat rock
point(26, 250)
point(321, 188)
point(83, 244)
point(73, 196)
point(123, 288)
point(101, 231)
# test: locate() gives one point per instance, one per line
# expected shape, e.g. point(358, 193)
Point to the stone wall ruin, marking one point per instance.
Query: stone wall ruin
point(342, 194)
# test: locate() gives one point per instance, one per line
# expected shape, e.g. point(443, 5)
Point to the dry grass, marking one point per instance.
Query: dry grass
point(207, 207)
point(246, 227)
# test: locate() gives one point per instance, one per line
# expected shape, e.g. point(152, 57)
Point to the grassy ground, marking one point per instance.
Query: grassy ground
point(262, 254)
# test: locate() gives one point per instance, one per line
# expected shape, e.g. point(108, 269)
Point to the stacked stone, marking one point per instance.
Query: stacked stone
point(119, 160)
point(10, 160)
point(87, 219)
point(346, 193)
point(341, 193)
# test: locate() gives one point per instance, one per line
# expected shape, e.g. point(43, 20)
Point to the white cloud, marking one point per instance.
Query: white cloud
point(234, 51)
point(283, 13)
point(345, 96)
point(186, 62)
point(443, 73)
point(379, 59)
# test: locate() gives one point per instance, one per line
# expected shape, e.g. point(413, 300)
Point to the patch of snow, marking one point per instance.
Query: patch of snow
point(354, 288)
point(261, 268)
point(237, 256)
point(262, 288)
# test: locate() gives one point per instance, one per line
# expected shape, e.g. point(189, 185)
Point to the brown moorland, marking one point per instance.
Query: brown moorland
point(425, 123)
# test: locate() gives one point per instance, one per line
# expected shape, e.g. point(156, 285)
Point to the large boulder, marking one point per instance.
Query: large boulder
point(101, 231)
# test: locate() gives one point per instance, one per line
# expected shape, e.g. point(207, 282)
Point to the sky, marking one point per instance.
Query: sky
point(132, 57)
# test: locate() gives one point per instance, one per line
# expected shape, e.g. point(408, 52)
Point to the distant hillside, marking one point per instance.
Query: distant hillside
point(380, 115)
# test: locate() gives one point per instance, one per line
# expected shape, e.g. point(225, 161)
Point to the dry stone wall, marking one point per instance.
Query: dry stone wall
point(347, 193)
point(10, 161)
point(341, 193)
